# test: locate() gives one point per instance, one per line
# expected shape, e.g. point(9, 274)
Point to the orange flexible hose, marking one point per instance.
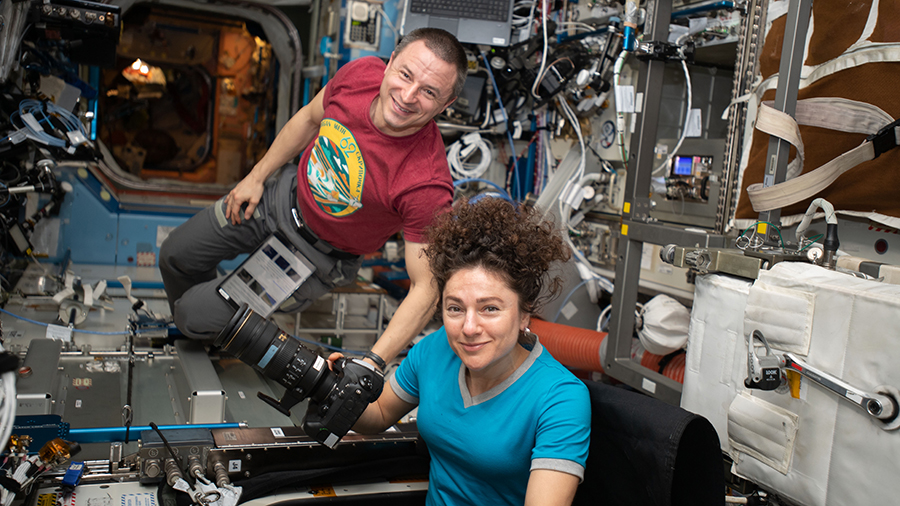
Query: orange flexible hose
point(571, 346)
point(673, 370)
point(580, 349)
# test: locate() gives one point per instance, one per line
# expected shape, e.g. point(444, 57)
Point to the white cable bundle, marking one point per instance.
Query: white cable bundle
point(20, 475)
point(7, 406)
point(571, 194)
point(460, 151)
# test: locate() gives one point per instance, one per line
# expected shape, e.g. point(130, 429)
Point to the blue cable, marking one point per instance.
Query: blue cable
point(333, 348)
point(485, 181)
point(680, 13)
point(480, 196)
point(328, 346)
point(512, 146)
point(73, 330)
point(22, 318)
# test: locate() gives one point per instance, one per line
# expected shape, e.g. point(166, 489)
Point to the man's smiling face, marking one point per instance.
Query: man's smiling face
point(417, 86)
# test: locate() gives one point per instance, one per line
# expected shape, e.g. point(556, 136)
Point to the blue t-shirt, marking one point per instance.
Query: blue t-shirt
point(483, 448)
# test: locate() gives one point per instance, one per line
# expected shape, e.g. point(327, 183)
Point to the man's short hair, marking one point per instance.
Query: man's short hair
point(445, 46)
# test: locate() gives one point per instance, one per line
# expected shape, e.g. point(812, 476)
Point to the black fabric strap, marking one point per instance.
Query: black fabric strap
point(10, 484)
point(310, 237)
point(8, 362)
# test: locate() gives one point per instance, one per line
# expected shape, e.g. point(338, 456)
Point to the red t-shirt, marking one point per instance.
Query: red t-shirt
point(356, 185)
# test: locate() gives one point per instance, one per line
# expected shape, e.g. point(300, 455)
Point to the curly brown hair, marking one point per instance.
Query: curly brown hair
point(513, 241)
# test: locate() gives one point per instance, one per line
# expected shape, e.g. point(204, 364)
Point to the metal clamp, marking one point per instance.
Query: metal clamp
point(764, 372)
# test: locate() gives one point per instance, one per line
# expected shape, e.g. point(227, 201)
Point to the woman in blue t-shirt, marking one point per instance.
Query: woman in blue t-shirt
point(504, 422)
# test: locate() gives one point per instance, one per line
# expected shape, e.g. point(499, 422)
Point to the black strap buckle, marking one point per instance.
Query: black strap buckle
point(885, 139)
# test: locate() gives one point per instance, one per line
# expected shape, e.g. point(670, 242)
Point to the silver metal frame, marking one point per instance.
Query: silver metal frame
point(749, 45)
point(786, 98)
point(639, 227)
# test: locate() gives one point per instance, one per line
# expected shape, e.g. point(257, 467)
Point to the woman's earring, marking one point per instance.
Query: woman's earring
point(528, 337)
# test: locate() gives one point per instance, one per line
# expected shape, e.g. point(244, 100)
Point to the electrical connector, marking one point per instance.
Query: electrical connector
point(73, 476)
point(57, 451)
point(17, 136)
point(831, 245)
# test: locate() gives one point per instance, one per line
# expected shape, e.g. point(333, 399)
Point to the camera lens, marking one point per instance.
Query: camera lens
point(265, 347)
point(336, 399)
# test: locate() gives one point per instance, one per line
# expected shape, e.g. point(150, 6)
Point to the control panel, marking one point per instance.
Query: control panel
point(362, 29)
point(90, 30)
point(88, 13)
point(689, 178)
point(189, 446)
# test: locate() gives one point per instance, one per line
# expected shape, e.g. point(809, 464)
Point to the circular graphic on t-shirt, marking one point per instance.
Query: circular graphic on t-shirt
point(336, 170)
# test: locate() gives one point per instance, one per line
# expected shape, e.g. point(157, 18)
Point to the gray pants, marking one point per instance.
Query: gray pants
point(191, 253)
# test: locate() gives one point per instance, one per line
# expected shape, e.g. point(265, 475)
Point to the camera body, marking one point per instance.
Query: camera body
point(336, 398)
point(359, 384)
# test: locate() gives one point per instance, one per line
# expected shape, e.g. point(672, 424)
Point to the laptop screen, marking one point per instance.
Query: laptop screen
point(486, 22)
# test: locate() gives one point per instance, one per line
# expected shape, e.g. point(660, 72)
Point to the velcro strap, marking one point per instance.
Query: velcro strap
point(841, 115)
point(800, 188)
point(781, 125)
point(805, 186)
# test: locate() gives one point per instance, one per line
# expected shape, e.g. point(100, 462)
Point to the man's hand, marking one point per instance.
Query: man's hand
point(249, 191)
point(291, 140)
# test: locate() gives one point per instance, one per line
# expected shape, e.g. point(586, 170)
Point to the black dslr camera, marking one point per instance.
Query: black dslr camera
point(336, 398)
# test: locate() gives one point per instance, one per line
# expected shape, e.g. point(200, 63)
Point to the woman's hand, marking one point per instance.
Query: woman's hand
point(333, 358)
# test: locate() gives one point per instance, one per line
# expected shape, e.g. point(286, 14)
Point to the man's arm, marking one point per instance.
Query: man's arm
point(416, 309)
point(293, 138)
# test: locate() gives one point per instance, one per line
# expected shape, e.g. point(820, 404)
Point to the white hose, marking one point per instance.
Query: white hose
point(620, 115)
point(7, 406)
point(687, 117)
point(826, 207)
point(544, 18)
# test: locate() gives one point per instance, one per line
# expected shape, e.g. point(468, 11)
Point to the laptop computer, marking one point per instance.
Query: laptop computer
point(486, 22)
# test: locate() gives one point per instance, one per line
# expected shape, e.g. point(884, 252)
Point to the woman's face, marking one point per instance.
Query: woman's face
point(482, 319)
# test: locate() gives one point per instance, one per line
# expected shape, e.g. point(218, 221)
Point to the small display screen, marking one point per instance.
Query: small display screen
point(683, 166)
point(268, 277)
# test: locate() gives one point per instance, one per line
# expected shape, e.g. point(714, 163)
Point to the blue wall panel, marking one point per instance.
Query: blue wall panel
point(95, 230)
point(88, 224)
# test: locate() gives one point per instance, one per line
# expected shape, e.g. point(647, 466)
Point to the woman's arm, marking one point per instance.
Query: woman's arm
point(382, 413)
point(550, 488)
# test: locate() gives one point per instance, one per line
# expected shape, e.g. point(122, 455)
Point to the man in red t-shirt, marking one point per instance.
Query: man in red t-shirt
point(372, 164)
